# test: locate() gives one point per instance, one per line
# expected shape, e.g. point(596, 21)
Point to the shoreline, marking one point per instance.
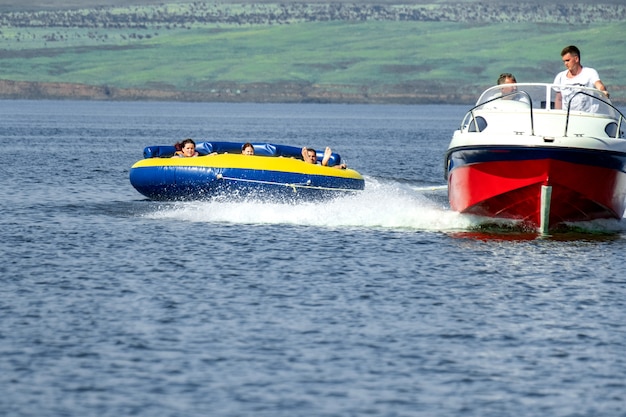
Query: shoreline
point(248, 93)
point(234, 93)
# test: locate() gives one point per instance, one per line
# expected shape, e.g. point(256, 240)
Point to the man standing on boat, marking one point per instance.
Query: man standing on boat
point(576, 75)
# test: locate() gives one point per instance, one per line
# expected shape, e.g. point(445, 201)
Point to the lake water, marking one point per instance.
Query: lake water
point(382, 304)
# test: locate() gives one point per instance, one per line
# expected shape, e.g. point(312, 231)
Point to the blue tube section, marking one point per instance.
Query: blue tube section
point(193, 183)
point(261, 149)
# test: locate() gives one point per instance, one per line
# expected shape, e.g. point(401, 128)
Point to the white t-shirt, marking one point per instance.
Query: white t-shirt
point(587, 77)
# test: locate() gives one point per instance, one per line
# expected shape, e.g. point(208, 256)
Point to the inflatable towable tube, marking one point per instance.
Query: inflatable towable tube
point(274, 172)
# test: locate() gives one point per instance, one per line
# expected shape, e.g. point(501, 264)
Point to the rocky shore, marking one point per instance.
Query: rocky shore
point(255, 93)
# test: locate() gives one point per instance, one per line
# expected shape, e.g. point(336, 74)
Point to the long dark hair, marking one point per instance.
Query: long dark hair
point(180, 145)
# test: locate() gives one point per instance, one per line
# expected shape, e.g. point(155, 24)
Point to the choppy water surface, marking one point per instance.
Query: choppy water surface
point(381, 304)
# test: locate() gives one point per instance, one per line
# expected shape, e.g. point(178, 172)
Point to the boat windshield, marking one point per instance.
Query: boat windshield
point(544, 96)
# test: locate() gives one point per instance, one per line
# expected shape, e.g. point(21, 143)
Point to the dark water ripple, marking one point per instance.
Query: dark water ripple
point(383, 305)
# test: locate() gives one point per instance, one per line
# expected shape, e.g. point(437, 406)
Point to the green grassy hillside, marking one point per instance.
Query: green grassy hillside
point(399, 59)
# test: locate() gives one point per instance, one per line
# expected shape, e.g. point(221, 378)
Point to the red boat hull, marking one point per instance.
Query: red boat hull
point(511, 189)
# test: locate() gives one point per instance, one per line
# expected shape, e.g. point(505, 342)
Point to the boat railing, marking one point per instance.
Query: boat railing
point(612, 129)
point(528, 98)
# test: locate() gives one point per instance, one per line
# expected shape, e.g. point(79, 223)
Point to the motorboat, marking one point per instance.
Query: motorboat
point(275, 172)
point(518, 156)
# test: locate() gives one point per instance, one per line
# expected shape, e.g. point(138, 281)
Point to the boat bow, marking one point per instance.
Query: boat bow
point(517, 157)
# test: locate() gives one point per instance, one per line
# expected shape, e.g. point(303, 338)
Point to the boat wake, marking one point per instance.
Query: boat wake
point(383, 204)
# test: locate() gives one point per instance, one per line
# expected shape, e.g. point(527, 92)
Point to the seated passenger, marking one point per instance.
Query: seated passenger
point(309, 155)
point(247, 149)
point(185, 149)
point(508, 78)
